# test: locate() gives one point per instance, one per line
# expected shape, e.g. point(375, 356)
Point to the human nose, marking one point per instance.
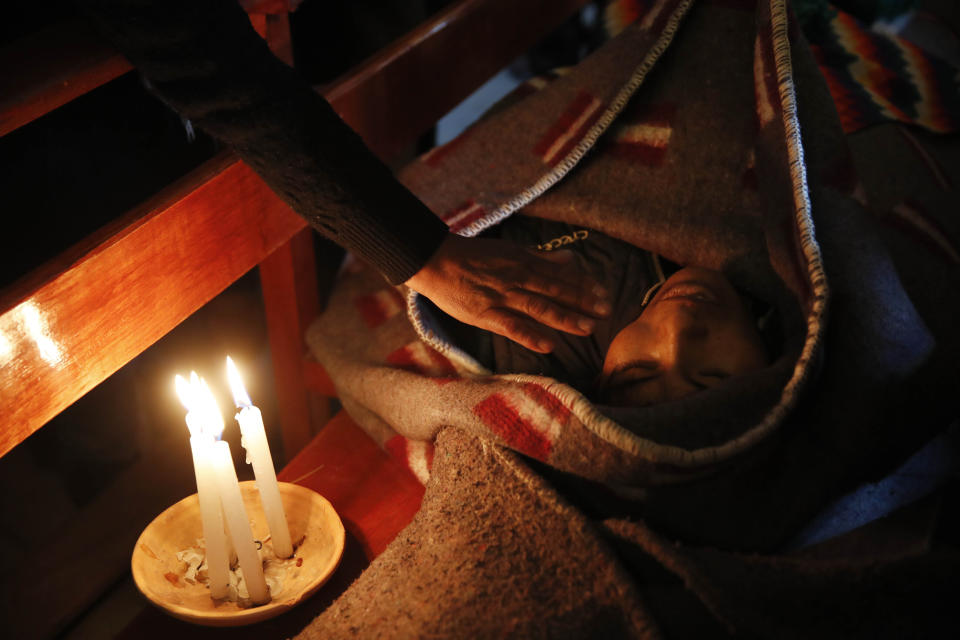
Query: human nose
point(680, 357)
point(680, 340)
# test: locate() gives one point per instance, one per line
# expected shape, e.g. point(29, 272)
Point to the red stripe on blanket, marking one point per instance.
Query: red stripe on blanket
point(658, 15)
point(643, 133)
point(869, 71)
point(557, 410)
point(623, 13)
point(441, 366)
point(847, 104)
point(403, 358)
point(397, 448)
point(767, 92)
point(569, 128)
point(468, 220)
point(932, 105)
point(577, 135)
point(464, 215)
point(458, 210)
point(378, 307)
point(415, 455)
point(504, 421)
point(417, 357)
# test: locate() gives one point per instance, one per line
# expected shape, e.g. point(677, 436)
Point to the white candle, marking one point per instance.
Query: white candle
point(238, 523)
point(234, 511)
point(218, 564)
point(254, 440)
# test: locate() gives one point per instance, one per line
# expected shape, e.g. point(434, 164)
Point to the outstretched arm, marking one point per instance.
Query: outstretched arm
point(205, 60)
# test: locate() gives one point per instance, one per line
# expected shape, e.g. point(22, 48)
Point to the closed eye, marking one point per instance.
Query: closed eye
point(634, 372)
point(714, 373)
point(709, 378)
point(628, 375)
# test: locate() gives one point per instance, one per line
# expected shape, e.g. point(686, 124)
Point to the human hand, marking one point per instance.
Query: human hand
point(516, 292)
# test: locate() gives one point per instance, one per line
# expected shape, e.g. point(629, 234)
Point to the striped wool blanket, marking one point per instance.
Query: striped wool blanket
point(707, 135)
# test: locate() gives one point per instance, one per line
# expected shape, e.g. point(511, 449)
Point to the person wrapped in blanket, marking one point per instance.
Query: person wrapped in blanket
point(672, 330)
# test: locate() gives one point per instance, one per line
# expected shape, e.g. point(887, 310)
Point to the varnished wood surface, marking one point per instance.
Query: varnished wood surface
point(399, 93)
point(316, 378)
point(390, 99)
point(269, 7)
point(290, 301)
point(50, 68)
point(375, 498)
point(77, 320)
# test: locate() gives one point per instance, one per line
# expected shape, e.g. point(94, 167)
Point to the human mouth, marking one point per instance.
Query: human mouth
point(691, 291)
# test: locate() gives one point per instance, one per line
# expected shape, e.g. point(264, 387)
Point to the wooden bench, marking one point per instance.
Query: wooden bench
point(70, 324)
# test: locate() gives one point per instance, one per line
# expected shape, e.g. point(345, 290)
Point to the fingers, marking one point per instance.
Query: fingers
point(565, 284)
point(521, 330)
point(558, 256)
point(548, 312)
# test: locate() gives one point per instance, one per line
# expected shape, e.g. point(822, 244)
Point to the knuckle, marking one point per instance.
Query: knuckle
point(512, 327)
point(488, 298)
point(537, 306)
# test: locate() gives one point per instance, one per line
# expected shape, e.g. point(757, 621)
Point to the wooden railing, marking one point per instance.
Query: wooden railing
point(73, 322)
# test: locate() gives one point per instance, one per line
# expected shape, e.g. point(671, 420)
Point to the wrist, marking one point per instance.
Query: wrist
point(427, 273)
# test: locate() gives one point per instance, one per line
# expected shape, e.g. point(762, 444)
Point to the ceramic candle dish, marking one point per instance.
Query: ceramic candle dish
point(158, 573)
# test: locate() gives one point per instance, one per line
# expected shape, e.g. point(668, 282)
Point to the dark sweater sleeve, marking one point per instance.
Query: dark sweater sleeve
point(204, 59)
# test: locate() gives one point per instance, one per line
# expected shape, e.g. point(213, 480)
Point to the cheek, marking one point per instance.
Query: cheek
point(624, 347)
point(612, 357)
point(742, 347)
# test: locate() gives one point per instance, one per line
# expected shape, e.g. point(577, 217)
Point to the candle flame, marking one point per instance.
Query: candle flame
point(201, 405)
point(184, 392)
point(240, 397)
point(212, 419)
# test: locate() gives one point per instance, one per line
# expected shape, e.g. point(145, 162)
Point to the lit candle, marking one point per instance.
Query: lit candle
point(234, 511)
point(254, 440)
point(218, 564)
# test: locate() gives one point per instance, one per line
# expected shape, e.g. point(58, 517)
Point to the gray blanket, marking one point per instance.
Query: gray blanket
point(712, 143)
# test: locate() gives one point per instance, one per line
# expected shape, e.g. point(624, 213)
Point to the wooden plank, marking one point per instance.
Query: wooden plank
point(399, 93)
point(289, 285)
point(80, 318)
point(47, 69)
point(82, 558)
point(269, 7)
point(374, 494)
point(278, 37)
point(391, 99)
point(316, 378)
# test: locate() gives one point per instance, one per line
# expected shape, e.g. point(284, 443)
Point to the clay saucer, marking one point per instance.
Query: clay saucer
point(159, 575)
